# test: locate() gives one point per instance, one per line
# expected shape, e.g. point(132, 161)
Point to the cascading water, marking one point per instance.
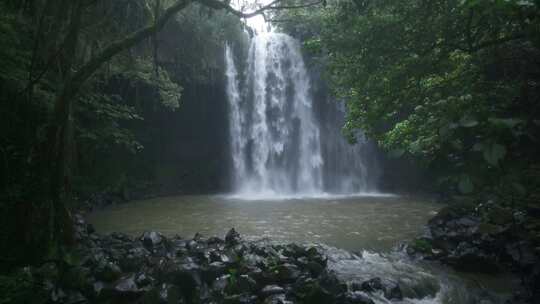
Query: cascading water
point(276, 140)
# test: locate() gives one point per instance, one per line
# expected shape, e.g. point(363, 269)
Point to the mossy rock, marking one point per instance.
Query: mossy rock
point(457, 209)
point(500, 216)
point(422, 246)
point(318, 295)
point(78, 278)
point(487, 228)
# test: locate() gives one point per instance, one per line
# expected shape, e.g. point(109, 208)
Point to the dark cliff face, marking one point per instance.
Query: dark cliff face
point(191, 155)
point(185, 150)
point(191, 152)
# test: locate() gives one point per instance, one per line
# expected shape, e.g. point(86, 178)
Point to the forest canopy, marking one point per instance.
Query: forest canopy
point(85, 86)
point(452, 84)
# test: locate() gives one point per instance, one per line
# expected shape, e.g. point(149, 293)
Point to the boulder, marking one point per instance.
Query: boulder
point(276, 299)
point(126, 286)
point(294, 250)
point(213, 271)
point(287, 273)
point(240, 299)
point(232, 238)
point(142, 279)
point(151, 239)
point(107, 271)
point(217, 256)
point(319, 295)
point(75, 297)
point(270, 290)
point(215, 241)
point(245, 284)
point(219, 286)
point(134, 259)
point(330, 282)
point(390, 289)
point(472, 258)
point(187, 276)
point(355, 297)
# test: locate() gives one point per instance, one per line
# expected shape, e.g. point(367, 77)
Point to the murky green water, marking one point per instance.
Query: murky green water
point(353, 223)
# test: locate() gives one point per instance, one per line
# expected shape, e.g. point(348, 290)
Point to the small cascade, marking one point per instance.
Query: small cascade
point(275, 135)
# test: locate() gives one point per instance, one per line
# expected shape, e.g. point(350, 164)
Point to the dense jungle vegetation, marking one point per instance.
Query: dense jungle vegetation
point(89, 89)
point(453, 85)
point(95, 95)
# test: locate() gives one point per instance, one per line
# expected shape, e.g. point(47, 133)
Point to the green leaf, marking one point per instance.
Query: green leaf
point(444, 131)
point(493, 153)
point(465, 184)
point(519, 189)
point(509, 123)
point(468, 122)
point(397, 153)
point(478, 147)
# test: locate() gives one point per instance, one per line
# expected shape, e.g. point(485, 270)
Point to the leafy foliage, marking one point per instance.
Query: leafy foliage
point(453, 84)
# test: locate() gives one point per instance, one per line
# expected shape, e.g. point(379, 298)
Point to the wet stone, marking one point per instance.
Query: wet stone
point(215, 241)
point(245, 284)
point(98, 287)
point(240, 299)
point(151, 239)
point(75, 297)
point(314, 268)
point(213, 271)
point(232, 237)
point(287, 272)
point(271, 290)
point(372, 285)
point(134, 259)
point(126, 286)
point(356, 297)
point(277, 299)
point(391, 289)
point(220, 284)
point(331, 283)
point(143, 279)
point(108, 271)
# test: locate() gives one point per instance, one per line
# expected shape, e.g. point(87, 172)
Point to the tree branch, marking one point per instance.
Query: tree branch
point(116, 47)
point(490, 43)
point(274, 5)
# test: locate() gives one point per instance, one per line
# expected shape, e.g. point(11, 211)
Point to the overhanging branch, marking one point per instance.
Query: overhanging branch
point(116, 47)
point(274, 5)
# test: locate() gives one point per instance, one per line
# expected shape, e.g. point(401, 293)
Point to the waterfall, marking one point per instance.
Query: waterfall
point(275, 136)
point(235, 117)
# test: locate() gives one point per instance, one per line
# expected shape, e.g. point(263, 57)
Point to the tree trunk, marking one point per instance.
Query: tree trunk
point(59, 138)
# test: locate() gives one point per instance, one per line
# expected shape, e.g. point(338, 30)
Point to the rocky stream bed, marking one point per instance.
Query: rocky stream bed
point(153, 268)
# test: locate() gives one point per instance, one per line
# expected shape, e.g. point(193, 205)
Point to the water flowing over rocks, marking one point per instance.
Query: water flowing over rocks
point(487, 239)
point(153, 268)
